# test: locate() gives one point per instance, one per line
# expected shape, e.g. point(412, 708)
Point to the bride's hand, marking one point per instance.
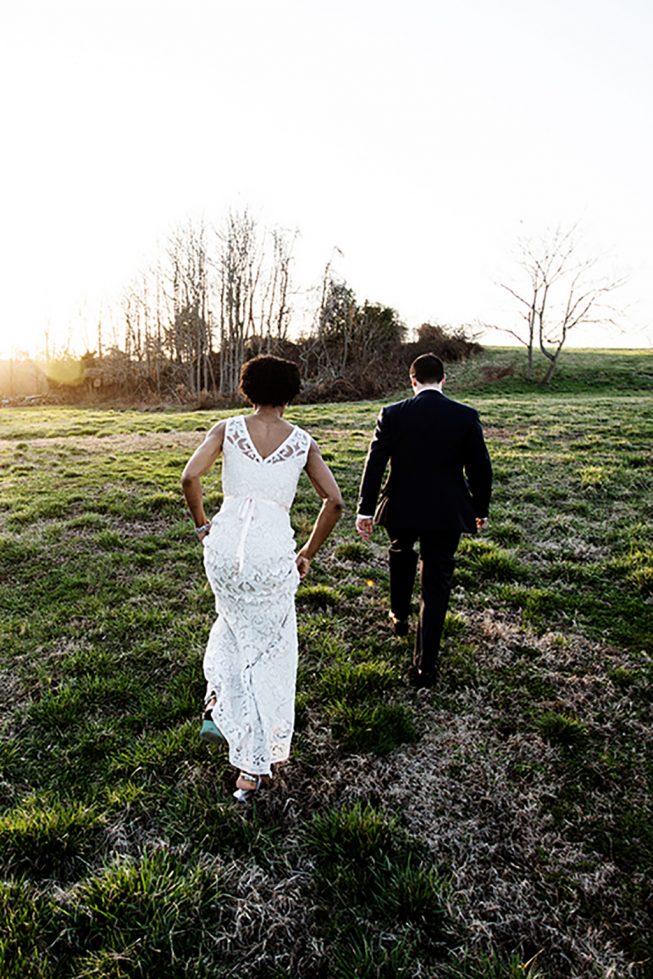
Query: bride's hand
point(303, 564)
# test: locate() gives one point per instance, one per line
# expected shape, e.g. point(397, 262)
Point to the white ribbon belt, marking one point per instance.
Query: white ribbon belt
point(246, 514)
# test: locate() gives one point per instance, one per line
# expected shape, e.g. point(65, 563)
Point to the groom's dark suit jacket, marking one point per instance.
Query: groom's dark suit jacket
point(440, 473)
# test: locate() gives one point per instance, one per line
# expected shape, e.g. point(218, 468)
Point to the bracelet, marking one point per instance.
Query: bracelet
point(202, 529)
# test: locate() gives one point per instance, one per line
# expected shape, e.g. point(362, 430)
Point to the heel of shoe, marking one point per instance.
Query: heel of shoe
point(210, 731)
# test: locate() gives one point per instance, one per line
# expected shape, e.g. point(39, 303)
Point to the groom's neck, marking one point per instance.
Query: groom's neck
point(435, 386)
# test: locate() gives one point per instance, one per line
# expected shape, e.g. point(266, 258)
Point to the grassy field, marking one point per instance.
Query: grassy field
point(497, 827)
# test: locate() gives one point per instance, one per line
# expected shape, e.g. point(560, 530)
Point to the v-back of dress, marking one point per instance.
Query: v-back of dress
point(249, 557)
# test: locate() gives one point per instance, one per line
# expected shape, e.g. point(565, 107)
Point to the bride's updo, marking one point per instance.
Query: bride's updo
point(268, 380)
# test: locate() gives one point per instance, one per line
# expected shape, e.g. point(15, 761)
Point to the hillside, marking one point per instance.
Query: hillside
point(580, 371)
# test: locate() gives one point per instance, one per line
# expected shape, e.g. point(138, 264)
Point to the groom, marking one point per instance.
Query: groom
point(439, 487)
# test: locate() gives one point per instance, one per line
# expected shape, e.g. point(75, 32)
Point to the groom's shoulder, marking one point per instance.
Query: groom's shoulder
point(397, 405)
point(396, 408)
point(406, 408)
point(464, 410)
point(438, 403)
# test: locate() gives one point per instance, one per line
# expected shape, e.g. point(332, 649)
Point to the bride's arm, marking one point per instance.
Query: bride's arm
point(199, 463)
point(326, 487)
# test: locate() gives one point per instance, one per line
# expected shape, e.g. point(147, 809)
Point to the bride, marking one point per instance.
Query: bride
point(251, 657)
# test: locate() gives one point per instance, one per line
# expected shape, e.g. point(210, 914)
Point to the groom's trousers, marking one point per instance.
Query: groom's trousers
point(436, 555)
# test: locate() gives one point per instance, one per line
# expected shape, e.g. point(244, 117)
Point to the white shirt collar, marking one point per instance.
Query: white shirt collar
point(429, 387)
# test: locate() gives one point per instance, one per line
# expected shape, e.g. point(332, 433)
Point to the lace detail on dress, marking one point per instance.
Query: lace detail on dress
point(295, 445)
point(249, 556)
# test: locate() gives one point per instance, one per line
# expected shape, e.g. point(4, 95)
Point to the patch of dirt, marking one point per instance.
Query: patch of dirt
point(496, 434)
point(124, 442)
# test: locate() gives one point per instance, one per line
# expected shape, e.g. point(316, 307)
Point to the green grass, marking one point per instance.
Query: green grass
point(403, 820)
point(371, 877)
point(561, 729)
point(42, 839)
point(494, 965)
point(356, 682)
point(352, 551)
point(371, 727)
point(318, 596)
point(580, 371)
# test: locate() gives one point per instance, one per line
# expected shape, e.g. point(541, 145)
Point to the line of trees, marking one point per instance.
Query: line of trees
point(188, 319)
point(216, 297)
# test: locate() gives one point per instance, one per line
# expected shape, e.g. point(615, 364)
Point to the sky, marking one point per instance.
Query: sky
point(421, 139)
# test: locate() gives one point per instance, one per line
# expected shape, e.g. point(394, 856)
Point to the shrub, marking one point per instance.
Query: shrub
point(449, 345)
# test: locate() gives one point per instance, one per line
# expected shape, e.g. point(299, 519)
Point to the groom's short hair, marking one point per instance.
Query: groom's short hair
point(427, 369)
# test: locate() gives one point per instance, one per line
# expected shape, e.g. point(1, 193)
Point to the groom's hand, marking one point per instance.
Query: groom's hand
point(481, 523)
point(365, 526)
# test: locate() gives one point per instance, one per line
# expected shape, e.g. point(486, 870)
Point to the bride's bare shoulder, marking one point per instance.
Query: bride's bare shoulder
point(217, 432)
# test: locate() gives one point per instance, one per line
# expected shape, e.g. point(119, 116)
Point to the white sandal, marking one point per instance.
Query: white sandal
point(244, 795)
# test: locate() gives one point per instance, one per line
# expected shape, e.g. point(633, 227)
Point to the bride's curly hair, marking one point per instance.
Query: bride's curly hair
point(269, 380)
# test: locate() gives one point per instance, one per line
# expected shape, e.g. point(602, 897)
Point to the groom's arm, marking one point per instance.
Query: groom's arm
point(377, 459)
point(478, 469)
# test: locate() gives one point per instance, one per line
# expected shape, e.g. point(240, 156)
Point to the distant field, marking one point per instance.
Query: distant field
point(502, 819)
point(588, 371)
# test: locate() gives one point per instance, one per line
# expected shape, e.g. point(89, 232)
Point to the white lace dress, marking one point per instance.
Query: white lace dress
point(249, 557)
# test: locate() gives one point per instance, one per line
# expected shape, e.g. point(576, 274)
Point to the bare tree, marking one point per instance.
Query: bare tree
point(157, 342)
point(99, 335)
point(238, 266)
point(562, 290)
point(188, 281)
point(336, 325)
point(275, 308)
